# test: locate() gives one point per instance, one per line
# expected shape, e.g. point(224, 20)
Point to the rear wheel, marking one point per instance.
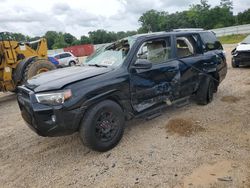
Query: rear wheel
point(206, 91)
point(37, 67)
point(72, 63)
point(102, 126)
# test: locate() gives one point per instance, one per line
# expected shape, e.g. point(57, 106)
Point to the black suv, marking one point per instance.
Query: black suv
point(133, 77)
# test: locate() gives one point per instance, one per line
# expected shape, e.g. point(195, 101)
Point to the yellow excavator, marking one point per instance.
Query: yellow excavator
point(20, 61)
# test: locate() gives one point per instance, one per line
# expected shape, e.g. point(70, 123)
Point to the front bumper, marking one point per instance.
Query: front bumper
point(242, 58)
point(47, 120)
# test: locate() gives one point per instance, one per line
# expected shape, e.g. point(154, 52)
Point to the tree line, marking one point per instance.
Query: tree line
point(201, 15)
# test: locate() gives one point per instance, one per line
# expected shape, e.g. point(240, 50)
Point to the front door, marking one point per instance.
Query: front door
point(157, 84)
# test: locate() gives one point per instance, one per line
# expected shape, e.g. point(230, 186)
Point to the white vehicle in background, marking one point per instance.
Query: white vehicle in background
point(66, 59)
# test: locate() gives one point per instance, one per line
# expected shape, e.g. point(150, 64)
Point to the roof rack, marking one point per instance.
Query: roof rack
point(188, 29)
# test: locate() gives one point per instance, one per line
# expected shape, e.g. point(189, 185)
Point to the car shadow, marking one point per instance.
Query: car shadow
point(73, 144)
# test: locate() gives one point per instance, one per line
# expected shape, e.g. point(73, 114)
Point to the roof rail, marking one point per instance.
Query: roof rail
point(188, 29)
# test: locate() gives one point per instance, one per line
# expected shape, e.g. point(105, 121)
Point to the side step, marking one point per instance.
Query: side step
point(181, 102)
point(154, 112)
point(154, 115)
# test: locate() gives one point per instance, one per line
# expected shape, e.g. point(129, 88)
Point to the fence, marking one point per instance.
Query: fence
point(239, 29)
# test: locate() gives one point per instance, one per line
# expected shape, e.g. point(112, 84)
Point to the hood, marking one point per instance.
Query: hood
point(56, 79)
point(243, 47)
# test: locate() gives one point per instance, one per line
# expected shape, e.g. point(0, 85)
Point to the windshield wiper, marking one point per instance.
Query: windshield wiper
point(97, 65)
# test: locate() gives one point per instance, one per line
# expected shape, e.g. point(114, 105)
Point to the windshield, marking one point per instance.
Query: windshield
point(246, 40)
point(111, 54)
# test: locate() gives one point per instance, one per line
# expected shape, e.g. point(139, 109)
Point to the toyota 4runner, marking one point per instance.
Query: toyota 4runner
point(133, 77)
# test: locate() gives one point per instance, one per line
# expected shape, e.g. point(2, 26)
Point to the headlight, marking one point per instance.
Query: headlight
point(54, 98)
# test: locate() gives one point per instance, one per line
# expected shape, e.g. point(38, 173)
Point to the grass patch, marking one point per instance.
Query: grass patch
point(232, 39)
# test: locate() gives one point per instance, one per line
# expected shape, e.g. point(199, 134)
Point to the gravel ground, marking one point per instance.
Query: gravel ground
point(191, 146)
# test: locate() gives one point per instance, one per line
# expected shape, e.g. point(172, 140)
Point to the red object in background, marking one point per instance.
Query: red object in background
point(80, 50)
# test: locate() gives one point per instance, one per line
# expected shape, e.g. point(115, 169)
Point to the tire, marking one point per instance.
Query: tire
point(206, 91)
point(234, 64)
point(72, 63)
point(102, 126)
point(36, 67)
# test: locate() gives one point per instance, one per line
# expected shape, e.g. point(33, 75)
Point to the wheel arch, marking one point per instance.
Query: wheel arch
point(113, 95)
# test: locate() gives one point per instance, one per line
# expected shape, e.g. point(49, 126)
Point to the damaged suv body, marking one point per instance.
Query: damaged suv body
point(134, 77)
point(241, 54)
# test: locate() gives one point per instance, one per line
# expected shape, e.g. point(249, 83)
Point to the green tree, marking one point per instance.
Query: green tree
point(199, 14)
point(101, 36)
point(59, 42)
point(244, 17)
point(51, 37)
point(130, 33)
point(85, 40)
point(153, 21)
point(226, 4)
point(68, 38)
point(18, 36)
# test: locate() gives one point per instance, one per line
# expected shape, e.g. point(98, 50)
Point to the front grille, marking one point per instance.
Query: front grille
point(24, 101)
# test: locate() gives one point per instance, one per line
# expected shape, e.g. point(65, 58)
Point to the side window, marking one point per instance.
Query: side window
point(57, 56)
point(186, 46)
point(210, 41)
point(67, 55)
point(64, 55)
point(156, 51)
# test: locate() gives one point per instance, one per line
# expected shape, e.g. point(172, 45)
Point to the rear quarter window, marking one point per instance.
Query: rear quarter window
point(210, 41)
point(68, 55)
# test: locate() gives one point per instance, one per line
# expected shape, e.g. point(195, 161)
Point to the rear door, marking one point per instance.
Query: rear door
point(64, 58)
point(157, 84)
point(190, 56)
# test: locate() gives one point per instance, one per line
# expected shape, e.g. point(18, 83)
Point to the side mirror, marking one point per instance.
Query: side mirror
point(142, 64)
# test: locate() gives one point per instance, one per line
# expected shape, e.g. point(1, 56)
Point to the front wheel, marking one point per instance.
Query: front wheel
point(72, 63)
point(102, 126)
point(234, 64)
point(205, 91)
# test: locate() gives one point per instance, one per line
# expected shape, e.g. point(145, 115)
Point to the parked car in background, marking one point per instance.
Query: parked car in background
point(241, 54)
point(133, 77)
point(54, 61)
point(66, 59)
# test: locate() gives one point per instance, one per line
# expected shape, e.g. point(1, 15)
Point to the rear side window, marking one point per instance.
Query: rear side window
point(187, 45)
point(210, 42)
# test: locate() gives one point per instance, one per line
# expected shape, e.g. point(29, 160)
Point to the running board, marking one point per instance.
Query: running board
point(154, 112)
point(181, 102)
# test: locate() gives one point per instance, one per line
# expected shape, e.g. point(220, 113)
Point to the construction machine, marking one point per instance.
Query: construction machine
point(20, 61)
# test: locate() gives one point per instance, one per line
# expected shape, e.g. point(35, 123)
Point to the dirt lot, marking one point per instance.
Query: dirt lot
point(191, 146)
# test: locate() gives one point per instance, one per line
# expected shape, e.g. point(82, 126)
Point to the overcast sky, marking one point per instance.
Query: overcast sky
point(78, 17)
